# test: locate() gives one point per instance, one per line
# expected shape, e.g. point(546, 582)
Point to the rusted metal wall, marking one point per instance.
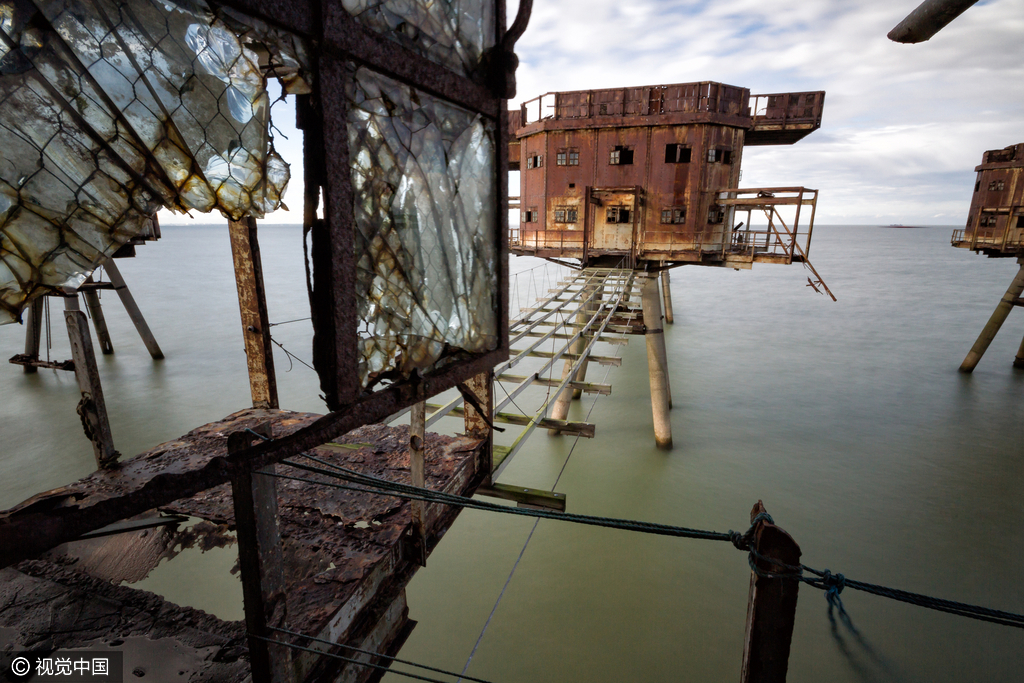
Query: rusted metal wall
point(995, 223)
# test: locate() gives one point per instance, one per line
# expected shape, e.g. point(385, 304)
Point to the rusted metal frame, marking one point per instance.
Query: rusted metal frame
point(252, 305)
point(92, 408)
point(27, 534)
point(533, 323)
point(261, 562)
point(521, 439)
point(771, 605)
point(796, 221)
point(810, 224)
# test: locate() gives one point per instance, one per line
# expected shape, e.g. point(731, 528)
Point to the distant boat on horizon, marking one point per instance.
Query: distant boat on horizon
point(896, 225)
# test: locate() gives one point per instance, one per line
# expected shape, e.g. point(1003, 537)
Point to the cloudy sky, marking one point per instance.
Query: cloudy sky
point(903, 127)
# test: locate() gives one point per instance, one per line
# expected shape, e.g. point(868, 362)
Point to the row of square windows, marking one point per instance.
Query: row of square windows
point(989, 221)
point(622, 156)
point(622, 214)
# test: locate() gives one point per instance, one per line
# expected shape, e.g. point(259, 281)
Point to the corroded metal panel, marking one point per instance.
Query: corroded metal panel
point(995, 222)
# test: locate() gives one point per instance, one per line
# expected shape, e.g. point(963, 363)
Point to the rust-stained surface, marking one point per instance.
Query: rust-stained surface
point(344, 551)
point(639, 173)
point(995, 223)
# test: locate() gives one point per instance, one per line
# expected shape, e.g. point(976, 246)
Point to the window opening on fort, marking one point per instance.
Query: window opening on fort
point(716, 213)
point(568, 156)
point(566, 214)
point(621, 155)
point(530, 215)
point(997, 185)
point(977, 186)
point(535, 161)
point(677, 154)
point(675, 214)
point(723, 156)
point(987, 221)
point(617, 214)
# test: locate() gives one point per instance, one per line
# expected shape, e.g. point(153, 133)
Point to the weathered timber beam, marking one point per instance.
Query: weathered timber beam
point(524, 497)
point(584, 429)
point(585, 387)
point(602, 360)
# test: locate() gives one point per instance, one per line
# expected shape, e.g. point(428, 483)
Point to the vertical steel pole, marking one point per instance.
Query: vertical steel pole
point(254, 495)
point(417, 434)
point(252, 304)
point(996, 321)
point(34, 333)
point(771, 606)
point(92, 408)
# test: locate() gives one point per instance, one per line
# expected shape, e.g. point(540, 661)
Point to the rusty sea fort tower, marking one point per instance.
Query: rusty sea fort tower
point(647, 178)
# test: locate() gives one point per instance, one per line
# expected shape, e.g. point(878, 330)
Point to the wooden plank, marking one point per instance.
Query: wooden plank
point(585, 387)
point(417, 432)
point(525, 497)
point(603, 360)
point(585, 429)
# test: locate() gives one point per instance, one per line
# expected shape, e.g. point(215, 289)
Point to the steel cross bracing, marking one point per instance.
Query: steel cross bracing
point(592, 306)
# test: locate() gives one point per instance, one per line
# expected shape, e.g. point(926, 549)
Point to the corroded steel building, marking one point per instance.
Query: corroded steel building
point(652, 174)
point(995, 224)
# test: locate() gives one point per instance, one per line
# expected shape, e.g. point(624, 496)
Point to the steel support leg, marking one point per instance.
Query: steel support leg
point(34, 333)
point(252, 304)
point(92, 301)
point(995, 322)
point(417, 434)
point(133, 309)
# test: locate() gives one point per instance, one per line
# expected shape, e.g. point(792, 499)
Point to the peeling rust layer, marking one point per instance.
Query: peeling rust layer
point(345, 557)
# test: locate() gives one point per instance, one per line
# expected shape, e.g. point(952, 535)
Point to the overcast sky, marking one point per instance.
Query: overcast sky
point(903, 126)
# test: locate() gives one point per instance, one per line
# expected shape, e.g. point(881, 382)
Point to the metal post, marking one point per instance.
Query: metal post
point(92, 408)
point(254, 495)
point(33, 333)
point(92, 301)
point(417, 433)
point(996, 321)
point(771, 606)
point(666, 293)
point(657, 363)
point(479, 425)
point(252, 304)
point(133, 309)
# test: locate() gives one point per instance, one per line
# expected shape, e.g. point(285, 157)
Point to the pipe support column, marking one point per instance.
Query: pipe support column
point(995, 322)
point(657, 363)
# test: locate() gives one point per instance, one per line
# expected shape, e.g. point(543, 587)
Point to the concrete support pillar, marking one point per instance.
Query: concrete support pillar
point(252, 305)
point(592, 309)
point(666, 293)
point(657, 363)
point(1018, 362)
point(995, 322)
point(128, 301)
point(92, 301)
point(92, 408)
point(33, 333)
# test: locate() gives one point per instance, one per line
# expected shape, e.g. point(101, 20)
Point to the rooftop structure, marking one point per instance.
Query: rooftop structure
point(651, 174)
